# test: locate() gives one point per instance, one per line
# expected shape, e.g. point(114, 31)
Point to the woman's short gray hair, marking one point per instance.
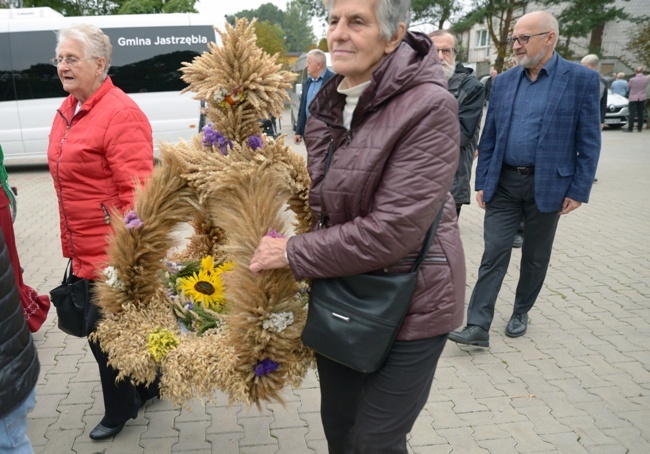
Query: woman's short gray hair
point(96, 44)
point(389, 15)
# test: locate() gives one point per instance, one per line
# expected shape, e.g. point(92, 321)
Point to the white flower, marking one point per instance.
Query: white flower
point(278, 322)
point(220, 95)
point(112, 280)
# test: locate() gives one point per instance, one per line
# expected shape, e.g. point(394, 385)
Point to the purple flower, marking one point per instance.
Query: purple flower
point(265, 367)
point(213, 138)
point(132, 221)
point(275, 234)
point(255, 142)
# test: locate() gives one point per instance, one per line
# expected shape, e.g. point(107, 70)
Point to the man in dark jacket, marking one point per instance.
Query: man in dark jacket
point(470, 94)
point(317, 75)
point(19, 366)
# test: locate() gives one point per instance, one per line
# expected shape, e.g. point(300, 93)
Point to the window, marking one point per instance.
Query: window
point(145, 59)
point(482, 38)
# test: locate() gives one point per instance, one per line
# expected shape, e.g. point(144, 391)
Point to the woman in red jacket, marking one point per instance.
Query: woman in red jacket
point(393, 128)
point(100, 146)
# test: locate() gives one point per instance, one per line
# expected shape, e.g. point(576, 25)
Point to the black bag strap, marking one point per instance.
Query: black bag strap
point(67, 275)
point(427, 239)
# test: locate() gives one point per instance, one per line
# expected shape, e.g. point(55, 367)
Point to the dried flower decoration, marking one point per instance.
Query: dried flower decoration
point(213, 138)
point(161, 342)
point(255, 142)
point(132, 220)
point(265, 367)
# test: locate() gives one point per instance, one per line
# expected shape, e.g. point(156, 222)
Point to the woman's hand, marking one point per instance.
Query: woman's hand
point(269, 255)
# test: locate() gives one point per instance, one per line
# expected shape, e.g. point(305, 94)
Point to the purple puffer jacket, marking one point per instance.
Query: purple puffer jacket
point(389, 175)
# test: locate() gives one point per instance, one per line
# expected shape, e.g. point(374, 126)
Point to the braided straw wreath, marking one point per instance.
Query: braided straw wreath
point(199, 319)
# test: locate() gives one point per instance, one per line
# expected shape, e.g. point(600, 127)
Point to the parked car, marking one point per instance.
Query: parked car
point(618, 111)
point(300, 67)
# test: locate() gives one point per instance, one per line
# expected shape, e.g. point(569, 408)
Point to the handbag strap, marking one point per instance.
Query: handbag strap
point(68, 272)
point(427, 239)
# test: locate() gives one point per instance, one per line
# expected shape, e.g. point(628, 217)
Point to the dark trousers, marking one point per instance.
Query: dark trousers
point(122, 399)
point(373, 413)
point(637, 109)
point(513, 202)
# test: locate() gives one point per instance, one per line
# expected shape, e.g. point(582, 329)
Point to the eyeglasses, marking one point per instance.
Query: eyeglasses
point(70, 61)
point(523, 39)
point(447, 51)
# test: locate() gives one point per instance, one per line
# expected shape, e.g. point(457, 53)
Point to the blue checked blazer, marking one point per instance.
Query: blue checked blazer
point(569, 143)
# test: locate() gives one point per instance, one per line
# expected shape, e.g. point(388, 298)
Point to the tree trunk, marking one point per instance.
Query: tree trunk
point(596, 39)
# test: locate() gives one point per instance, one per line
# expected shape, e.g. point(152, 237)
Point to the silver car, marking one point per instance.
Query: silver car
point(617, 111)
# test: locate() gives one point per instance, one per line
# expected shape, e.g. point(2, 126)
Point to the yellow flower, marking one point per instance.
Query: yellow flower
point(161, 342)
point(203, 287)
point(225, 267)
point(207, 264)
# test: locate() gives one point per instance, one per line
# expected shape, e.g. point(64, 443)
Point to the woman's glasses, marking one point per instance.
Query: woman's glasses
point(70, 61)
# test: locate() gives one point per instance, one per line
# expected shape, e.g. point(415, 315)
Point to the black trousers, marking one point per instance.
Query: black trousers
point(513, 202)
point(373, 413)
point(122, 399)
point(637, 110)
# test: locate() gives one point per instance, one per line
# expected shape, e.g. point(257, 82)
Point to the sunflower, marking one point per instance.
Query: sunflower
point(203, 287)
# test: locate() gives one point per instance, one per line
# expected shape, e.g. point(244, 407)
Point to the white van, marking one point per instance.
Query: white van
point(300, 67)
point(148, 50)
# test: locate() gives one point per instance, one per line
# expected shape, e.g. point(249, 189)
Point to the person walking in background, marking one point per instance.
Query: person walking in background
point(619, 86)
point(318, 74)
point(390, 127)
point(488, 85)
point(100, 146)
point(638, 87)
point(19, 365)
point(647, 106)
point(591, 61)
point(537, 160)
point(469, 93)
point(35, 306)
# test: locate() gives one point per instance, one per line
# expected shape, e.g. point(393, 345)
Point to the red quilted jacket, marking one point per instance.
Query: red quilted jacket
point(389, 175)
point(96, 158)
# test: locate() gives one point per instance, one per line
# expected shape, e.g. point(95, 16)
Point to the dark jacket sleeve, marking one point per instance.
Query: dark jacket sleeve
point(470, 109)
point(302, 114)
point(19, 366)
point(603, 100)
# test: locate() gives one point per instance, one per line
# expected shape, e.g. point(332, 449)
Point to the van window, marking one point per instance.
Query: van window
point(144, 59)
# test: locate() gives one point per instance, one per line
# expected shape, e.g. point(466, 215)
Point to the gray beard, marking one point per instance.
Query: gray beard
point(448, 69)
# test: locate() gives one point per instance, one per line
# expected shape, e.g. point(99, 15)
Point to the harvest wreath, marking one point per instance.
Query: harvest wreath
point(200, 320)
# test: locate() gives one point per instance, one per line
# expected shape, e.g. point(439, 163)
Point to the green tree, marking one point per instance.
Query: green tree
point(299, 33)
point(639, 43)
point(108, 7)
point(270, 37)
point(436, 12)
point(157, 6)
point(500, 17)
point(582, 18)
point(322, 45)
point(267, 12)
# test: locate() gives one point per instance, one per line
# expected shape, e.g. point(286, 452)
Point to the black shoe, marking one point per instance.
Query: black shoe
point(471, 335)
point(517, 325)
point(101, 432)
point(518, 242)
point(627, 130)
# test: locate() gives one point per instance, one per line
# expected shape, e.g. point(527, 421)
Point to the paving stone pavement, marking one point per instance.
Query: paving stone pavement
point(577, 382)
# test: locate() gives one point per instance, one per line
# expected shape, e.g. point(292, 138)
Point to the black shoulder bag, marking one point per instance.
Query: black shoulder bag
point(354, 320)
point(70, 299)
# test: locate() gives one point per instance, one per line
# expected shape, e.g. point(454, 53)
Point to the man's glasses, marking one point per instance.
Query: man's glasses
point(523, 39)
point(447, 51)
point(70, 61)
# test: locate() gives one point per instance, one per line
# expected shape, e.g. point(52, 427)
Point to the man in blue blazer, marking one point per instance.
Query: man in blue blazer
point(318, 74)
point(537, 160)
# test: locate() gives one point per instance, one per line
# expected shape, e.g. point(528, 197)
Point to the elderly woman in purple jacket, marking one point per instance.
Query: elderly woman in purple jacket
point(395, 135)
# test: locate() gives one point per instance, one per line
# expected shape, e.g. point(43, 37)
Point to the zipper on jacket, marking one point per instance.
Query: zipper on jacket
point(107, 217)
point(58, 179)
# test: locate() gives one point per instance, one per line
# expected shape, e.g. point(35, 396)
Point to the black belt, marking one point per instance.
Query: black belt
point(522, 170)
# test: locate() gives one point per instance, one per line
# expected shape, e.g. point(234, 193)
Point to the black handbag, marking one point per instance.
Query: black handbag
point(354, 320)
point(70, 299)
